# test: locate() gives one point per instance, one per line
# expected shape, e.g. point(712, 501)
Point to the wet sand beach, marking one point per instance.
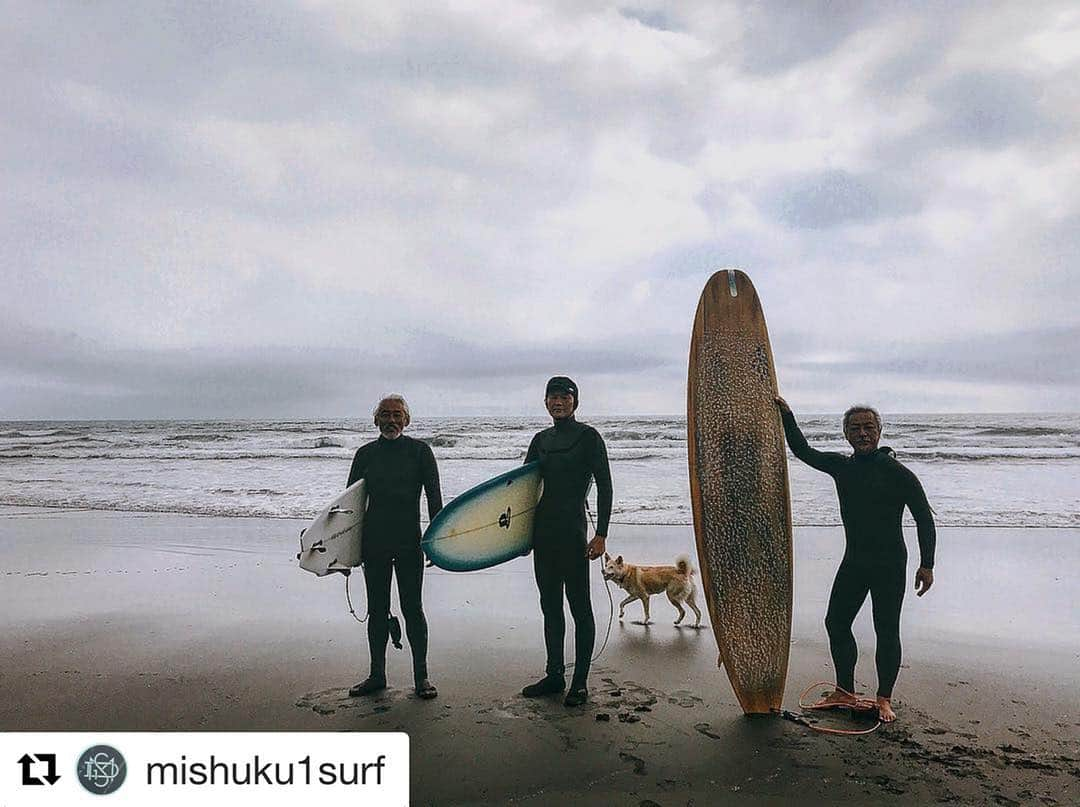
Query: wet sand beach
point(138, 621)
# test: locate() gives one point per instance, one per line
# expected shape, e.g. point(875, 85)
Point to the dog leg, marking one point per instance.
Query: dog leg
point(624, 603)
point(697, 611)
point(645, 602)
point(681, 610)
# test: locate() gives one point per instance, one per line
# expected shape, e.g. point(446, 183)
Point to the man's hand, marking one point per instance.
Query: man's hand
point(924, 578)
point(596, 547)
point(784, 408)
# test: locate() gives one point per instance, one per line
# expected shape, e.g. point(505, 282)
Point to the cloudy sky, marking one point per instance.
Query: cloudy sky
point(271, 209)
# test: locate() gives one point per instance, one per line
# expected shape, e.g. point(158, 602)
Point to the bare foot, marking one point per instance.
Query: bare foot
point(835, 699)
point(885, 710)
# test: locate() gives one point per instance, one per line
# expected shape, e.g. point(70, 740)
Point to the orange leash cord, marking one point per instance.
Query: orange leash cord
point(860, 705)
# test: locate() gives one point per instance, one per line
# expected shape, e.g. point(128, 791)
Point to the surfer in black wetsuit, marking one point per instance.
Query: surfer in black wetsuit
point(570, 453)
point(873, 488)
point(395, 467)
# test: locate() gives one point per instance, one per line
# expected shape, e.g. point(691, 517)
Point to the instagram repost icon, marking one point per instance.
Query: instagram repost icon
point(101, 769)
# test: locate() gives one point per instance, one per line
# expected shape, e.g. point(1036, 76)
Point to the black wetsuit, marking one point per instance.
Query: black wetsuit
point(570, 453)
point(873, 491)
point(395, 471)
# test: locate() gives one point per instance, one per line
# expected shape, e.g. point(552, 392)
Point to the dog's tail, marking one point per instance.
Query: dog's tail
point(682, 563)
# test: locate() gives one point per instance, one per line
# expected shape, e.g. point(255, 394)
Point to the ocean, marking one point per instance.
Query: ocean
point(1016, 470)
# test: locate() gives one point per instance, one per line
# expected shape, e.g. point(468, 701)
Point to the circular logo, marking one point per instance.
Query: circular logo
point(101, 769)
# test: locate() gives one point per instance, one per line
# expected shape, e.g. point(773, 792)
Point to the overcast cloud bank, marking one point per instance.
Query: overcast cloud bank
point(284, 209)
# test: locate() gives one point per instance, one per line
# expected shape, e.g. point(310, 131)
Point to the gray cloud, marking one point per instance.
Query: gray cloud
point(110, 382)
point(651, 18)
point(1038, 356)
point(919, 59)
point(989, 109)
point(780, 34)
point(831, 198)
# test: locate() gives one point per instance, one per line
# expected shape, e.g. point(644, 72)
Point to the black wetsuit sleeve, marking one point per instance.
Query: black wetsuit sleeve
point(533, 454)
point(924, 520)
point(432, 489)
point(601, 471)
point(827, 461)
point(357, 469)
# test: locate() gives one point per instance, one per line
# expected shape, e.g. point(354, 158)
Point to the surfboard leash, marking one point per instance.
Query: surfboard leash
point(392, 621)
point(348, 599)
point(607, 586)
point(860, 704)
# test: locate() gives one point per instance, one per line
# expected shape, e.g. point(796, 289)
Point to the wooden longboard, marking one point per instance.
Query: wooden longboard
point(739, 489)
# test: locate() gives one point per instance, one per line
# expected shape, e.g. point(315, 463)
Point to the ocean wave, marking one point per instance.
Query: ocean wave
point(440, 441)
point(1024, 431)
point(656, 507)
point(173, 458)
point(310, 428)
point(616, 455)
point(36, 433)
point(162, 509)
point(1020, 455)
point(328, 442)
point(505, 454)
point(242, 492)
point(617, 435)
point(198, 438)
point(66, 441)
point(632, 517)
point(266, 503)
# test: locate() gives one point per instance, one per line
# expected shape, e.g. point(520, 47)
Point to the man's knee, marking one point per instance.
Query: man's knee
point(551, 605)
point(412, 606)
point(887, 616)
point(378, 623)
point(836, 625)
point(378, 607)
point(549, 586)
point(580, 604)
point(887, 629)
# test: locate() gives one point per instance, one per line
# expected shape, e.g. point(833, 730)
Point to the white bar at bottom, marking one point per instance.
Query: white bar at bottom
point(176, 768)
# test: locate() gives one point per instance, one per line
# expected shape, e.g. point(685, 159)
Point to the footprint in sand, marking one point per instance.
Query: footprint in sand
point(685, 699)
point(706, 729)
point(330, 701)
point(638, 762)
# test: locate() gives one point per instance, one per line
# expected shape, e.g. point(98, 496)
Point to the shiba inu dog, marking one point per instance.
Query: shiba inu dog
point(641, 582)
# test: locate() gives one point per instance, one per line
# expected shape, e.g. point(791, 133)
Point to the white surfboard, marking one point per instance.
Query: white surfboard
point(331, 543)
point(487, 525)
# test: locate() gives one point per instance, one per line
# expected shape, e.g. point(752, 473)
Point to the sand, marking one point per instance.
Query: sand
point(124, 621)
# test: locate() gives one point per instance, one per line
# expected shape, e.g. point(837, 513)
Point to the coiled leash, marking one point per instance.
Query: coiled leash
point(859, 706)
point(392, 621)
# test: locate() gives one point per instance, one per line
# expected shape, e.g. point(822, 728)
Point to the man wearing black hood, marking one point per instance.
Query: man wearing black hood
point(873, 488)
point(570, 454)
